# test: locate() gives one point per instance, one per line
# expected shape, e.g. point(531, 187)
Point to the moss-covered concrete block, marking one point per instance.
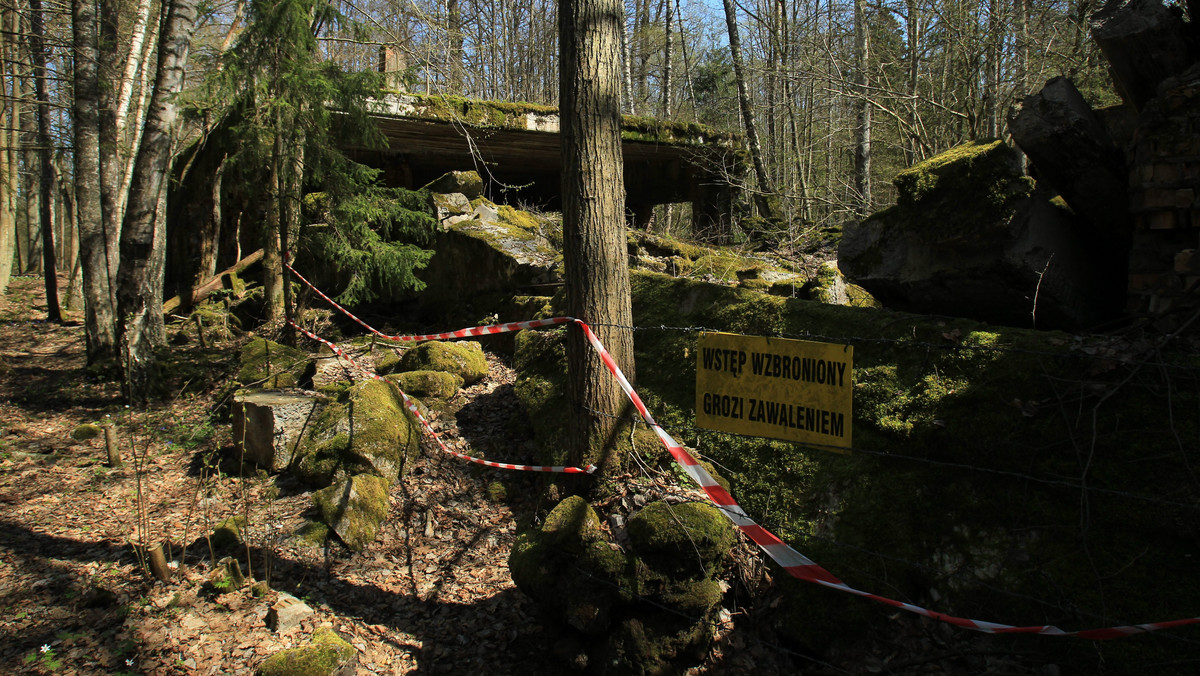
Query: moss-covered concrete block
point(265, 363)
point(464, 359)
point(326, 655)
point(468, 183)
point(86, 432)
point(366, 430)
point(354, 509)
point(570, 570)
point(688, 539)
point(428, 384)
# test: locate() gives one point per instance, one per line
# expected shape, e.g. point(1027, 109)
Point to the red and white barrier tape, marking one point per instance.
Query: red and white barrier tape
point(796, 564)
point(469, 332)
point(412, 407)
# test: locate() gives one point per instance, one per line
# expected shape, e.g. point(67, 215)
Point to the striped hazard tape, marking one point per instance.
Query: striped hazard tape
point(796, 564)
point(412, 408)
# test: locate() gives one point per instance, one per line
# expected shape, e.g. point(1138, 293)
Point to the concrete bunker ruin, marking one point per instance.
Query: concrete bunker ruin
point(516, 148)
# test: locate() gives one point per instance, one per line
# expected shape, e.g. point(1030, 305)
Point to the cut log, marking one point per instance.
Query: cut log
point(1071, 150)
point(1144, 43)
point(201, 292)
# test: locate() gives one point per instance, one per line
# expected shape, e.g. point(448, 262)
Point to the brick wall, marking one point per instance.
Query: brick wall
point(1164, 268)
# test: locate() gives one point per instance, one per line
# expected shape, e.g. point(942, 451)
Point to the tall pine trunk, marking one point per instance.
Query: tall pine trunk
point(593, 189)
point(37, 53)
point(739, 74)
point(862, 106)
point(10, 112)
point(139, 282)
point(99, 317)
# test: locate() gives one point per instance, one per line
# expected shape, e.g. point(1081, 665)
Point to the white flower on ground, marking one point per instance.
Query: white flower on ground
point(45, 647)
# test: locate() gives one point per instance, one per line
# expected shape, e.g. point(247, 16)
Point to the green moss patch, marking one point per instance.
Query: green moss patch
point(687, 539)
point(268, 364)
point(432, 384)
point(325, 655)
point(354, 509)
point(464, 359)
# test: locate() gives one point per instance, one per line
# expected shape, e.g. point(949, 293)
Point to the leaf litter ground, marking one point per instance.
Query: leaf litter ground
point(432, 593)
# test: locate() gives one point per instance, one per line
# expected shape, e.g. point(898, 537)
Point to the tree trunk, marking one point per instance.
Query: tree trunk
point(10, 111)
point(139, 294)
point(666, 80)
point(862, 106)
point(756, 155)
point(596, 264)
point(37, 52)
point(99, 320)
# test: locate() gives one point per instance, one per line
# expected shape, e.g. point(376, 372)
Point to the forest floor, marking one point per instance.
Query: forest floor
point(432, 593)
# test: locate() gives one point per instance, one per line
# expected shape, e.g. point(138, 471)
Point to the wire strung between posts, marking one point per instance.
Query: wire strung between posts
point(412, 408)
point(792, 561)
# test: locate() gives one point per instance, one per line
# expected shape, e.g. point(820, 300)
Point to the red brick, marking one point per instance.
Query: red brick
point(1186, 262)
point(1168, 172)
point(1144, 282)
point(1162, 220)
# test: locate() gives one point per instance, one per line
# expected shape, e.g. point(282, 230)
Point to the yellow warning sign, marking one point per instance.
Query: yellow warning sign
point(796, 390)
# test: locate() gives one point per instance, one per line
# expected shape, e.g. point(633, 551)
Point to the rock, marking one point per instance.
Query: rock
point(467, 183)
point(268, 364)
point(355, 508)
point(685, 540)
point(228, 533)
point(366, 430)
point(327, 655)
point(447, 206)
point(86, 431)
point(432, 384)
point(286, 613)
point(268, 424)
point(970, 237)
point(830, 287)
point(493, 251)
point(464, 359)
point(641, 610)
point(570, 570)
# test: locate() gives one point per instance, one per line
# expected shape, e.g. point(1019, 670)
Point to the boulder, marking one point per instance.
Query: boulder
point(365, 430)
point(327, 655)
point(266, 363)
point(489, 251)
point(464, 359)
point(467, 183)
point(428, 384)
point(354, 508)
point(641, 610)
point(970, 236)
point(268, 424)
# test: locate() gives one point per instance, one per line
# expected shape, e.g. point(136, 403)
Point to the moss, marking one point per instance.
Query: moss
point(325, 655)
point(387, 362)
point(228, 533)
point(686, 539)
point(272, 365)
point(367, 429)
point(86, 431)
point(433, 384)
point(354, 509)
point(567, 567)
point(312, 533)
point(540, 359)
point(464, 359)
point(954, 194)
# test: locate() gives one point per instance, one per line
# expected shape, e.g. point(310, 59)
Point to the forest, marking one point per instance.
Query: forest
point(215, 459)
